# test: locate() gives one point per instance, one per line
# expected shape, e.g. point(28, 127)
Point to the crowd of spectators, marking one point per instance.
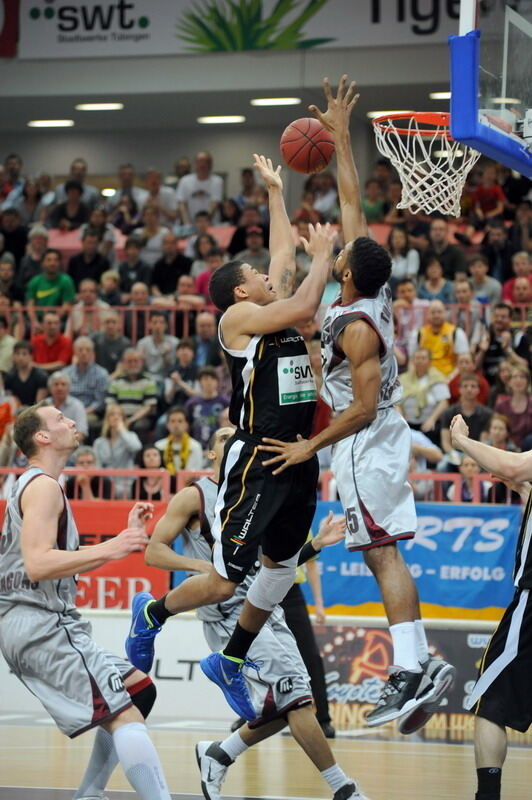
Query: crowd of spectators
point(121, 334)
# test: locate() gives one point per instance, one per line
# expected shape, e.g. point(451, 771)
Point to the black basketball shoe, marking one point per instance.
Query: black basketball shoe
point(403, 692)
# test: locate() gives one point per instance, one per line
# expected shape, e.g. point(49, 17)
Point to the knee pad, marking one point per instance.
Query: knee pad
point(270, 586)
point(143, 695)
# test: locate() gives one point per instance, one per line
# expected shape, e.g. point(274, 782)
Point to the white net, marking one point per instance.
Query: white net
point(432, 167)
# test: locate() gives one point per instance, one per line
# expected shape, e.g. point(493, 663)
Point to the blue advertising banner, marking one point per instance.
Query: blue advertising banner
point(461, 558)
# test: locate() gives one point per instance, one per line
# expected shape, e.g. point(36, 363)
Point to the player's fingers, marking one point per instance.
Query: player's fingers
point(341, 87)
point(304, 242)
point(278, 170)
point(350, 91)
point(272, 441)
point(280, 469)
point(327, 89)
point(274, 460)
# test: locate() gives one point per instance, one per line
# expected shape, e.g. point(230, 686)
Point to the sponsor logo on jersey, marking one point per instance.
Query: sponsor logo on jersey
point(116, 684)
point(285, 685)
point(296, 381)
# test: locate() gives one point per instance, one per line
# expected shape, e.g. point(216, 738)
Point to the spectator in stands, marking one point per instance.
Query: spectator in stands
point(125, 216)
point(306, 212)
point(116, 448)
point(465, 364)
point(470, 313)
point(30, 263)
point(202, 223)
point(136, 320)
point(486, 289)
point(523, 297)
point(29, 204)
point(517, 406)
point(50, 288)
point(229, 212)
point(498, 250)
point(158, 348)
point(13, 234)
point(182, 167)
point(383, 174)
point(200, 191)
point(325, 196)
point(181, 384)
point(25, 382)
point(52, 350)
point(109, 290)
point(521, 232)
point(250, 219)
point(8, 284)
point(90, 195)
point(87, 487)
point(160, 197)
point(423, 452)
point(206, 341)
point(442, 339)
point(88, 382)
point(500, 343)
point(309, 330)
point(99, 225)
point(14, 180)
point(468, 469)
point(450, 256)
point(515, 187)
point(425, 395)
point(373, 202)
point(168, 269)
point(71, 213)
point(179, 450)
point(89, 263)
point(151, 235)
point(214, 260)
point(489, 198)
point(476, 416)
point(203, 410)
point(187, 301)
point(109, 343)
point(405, 260)
point(409, 310)
point(127, 189)
point(433, 285)
point(151, 487)
point(255, 254)
point(393, 215)
point(135, 391)
point(71, 407)
point(133, 269)
point(7, 344)
point(44, 179)
point(502, 382)
point(521, 268)
point(247, 188)
point(204, 244)
point(498, 433)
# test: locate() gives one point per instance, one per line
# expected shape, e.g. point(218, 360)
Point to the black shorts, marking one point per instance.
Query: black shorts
point(258, 509)
point(505, 675)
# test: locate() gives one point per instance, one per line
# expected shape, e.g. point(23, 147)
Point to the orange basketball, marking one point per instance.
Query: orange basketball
point(306, 146)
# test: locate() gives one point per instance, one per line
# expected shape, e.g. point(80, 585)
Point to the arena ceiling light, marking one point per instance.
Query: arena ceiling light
point(514, 101)
point(440, 95)
point(108, 192)
point(275, 101)
point(50, 123)
point(373, 114)
point(228, 119)
point(99, 107)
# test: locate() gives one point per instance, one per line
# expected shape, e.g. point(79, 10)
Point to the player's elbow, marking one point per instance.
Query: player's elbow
point(368, 412)
point(35, 571)
point(152, 555)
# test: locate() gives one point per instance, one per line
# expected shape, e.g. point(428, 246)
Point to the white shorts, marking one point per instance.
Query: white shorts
point(371, 472)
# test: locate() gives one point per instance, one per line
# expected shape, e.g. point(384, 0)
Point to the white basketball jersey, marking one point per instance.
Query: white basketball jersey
point(337, 389)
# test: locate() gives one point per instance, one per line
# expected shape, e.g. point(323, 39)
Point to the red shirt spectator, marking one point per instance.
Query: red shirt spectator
point(508, 289)
point(454, 386)
point(52, 350)
point(489, 197)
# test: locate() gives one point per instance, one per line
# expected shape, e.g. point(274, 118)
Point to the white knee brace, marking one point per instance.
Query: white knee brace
point(270, 586)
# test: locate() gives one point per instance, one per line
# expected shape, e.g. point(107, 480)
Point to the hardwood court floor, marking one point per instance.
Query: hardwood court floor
point(35, 759)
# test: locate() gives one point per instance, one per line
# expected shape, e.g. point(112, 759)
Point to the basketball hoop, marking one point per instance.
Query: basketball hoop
point(432, 166)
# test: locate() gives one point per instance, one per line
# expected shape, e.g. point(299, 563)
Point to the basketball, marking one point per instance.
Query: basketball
point(306, 146)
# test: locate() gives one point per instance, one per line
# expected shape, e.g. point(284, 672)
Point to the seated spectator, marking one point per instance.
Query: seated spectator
point(468, 469)
point(498, 251)
point(78, 173)
point(247, 188)
point(136, 319)
point(433, 286)
point(262, 204)
point(214, 260)
point(89, 263)
point(522, 314)
point(306, 212)
point(522, 268)
point(202, 224)
point(425, 394)
point(179, 450)
point(449, 255)
point(515, 187)
point(7, 344)
point(204, 244)
point(160, 197)
point(498, 434)
point(409, 310)
point(470, 312)
point(405, 260)
point(13, 234)
point(255, 254)
point(521, 232)
point(465, 364)
point(8, 284)
point(250, 218)
point(158, 348)
point(499, 342)
point(202, 190)
point(25, 382)
point(133, 269)
point(485, 288)
point(373, 202)
point(181, 384)
point(52, 350)
point(502, 382)
point(99, 225)
point(203, 410)
point(30, 263)
point(29, 205)
point(12, 180)
point(110, 288)
point(127, 189)
point(325, 196)
point(151, 488)
point(517, 406)
point(51, 288)
point(392, 214)
point(423, 452)
point(109, 344)
point(229, 212)
point(206, 341)
point(87, 487)
point(88, 382)
point(71, 407)
point(135, 391)
point(185, 295)
point(125, 216)
point(442, 339)
point(151, 235)
point(71, 213)
point(488, 198)
point(168, 269)
point(87, 314)
point(476, 416)
point(116, 448)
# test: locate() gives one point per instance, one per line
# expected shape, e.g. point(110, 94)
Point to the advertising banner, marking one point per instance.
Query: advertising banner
point(461, 558)
point(88, 29)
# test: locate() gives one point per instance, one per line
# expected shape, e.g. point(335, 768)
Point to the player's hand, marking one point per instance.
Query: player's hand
point(139, 515)
point(458, 428)
point(505, 339)
point(319, 614)
point(128, 541)
point(321, 239)
point(289, 453)
point(270, 176)
point(522, 488)
point(332, 531)
point(336, 118)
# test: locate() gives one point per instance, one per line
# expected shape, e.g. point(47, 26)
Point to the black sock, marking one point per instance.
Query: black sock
point(239, 643)
point(489, 783)
point(158, 612)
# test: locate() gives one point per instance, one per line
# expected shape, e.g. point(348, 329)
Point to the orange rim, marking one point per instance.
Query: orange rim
point(438, 119)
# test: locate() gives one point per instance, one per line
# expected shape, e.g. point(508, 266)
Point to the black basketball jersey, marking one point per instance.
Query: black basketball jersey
point(274, 391)
point(523, 555)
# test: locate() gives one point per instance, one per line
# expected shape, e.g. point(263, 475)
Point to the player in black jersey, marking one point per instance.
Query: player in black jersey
point(274, 395)
point(502, 695)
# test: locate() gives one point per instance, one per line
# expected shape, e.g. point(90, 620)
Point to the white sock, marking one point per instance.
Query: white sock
point(422, 646)
point(404, 646)
point(335, 777)
point(101, 764)
point(234, 745)
point(140, 761)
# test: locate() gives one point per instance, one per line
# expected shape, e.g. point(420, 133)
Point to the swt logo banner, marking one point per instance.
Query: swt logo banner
point(9, 11)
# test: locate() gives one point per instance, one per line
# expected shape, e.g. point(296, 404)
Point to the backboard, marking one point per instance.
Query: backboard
point(491, 80)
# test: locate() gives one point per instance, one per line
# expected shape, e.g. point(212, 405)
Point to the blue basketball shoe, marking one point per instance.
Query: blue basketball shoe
point(227, 674)
point(139, 643)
